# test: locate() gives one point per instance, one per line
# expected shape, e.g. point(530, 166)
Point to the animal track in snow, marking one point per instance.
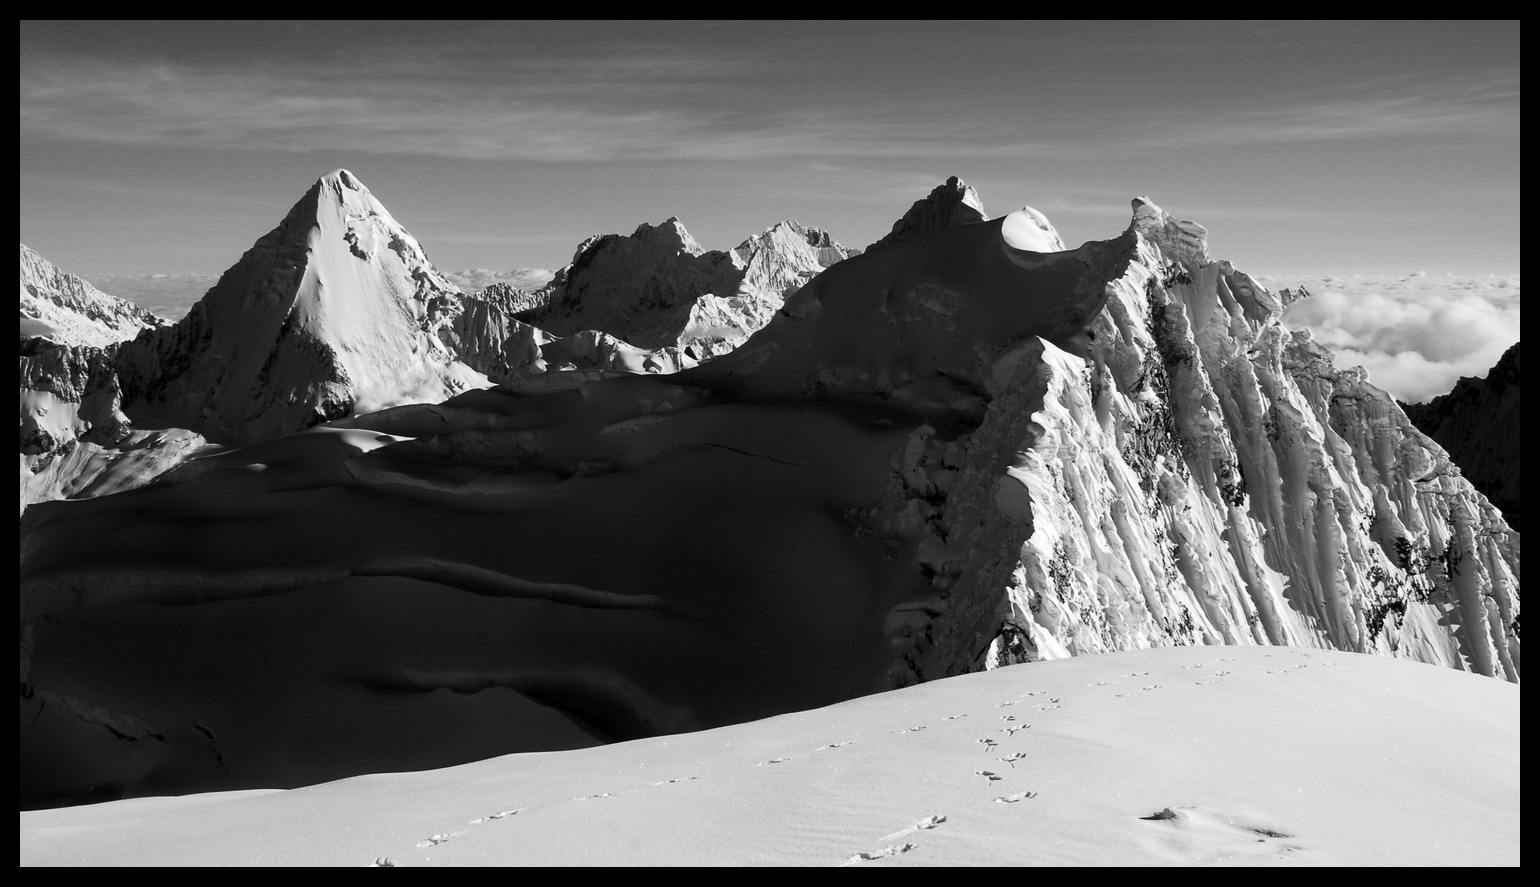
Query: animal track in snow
point(1012, 731)
point(506, 813)
point(1004, 704)
point(1007, 717)
point(878, 854)
point(1152, 687)
point(1013, 798)
point(928, 822)
point(383, 862)
point(772, 761)
point(953, 717)
point(1099, 684)
point(674, 781)
point(987, 743)
point(1013, 758)
point(988, 776)
point(829, 746)
point(1048, 706)
point(909, 730)
point(1136, 674)
point(437, 839)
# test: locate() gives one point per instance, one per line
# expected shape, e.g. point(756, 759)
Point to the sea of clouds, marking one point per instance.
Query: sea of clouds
point(1415, 334)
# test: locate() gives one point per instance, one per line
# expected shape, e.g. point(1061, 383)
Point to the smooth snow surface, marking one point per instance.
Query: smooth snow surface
point(1198, 756)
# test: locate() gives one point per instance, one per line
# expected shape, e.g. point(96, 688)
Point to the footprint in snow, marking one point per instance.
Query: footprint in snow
point(1121, 695)
point(1049, 706)
point(674, 781)
point(1012, 731)
point(1018, 796)
point(1136, 674)
point(1004, 704)
point(507, 813)
point(925, 824)
point(1228, 658)
point(1153, 687)
point(953, 717)
point(1013, 758)
point(878, 854)
point(988, 776)
point(772, 761)
point(383, 862)
point(1007, 717)
point(987, 743)
point(829, 746)
point(437, 839)
point(1099, 684)
point(911, 730)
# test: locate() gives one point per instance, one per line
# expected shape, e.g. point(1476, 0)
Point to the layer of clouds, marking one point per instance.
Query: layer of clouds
point(169, 295)
point(474, 280)
point(1416, 335)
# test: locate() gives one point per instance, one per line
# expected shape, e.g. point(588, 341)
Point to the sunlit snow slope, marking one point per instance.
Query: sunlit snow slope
point(1260, 756)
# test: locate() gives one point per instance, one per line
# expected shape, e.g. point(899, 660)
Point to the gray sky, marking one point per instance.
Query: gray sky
point(1305, 148)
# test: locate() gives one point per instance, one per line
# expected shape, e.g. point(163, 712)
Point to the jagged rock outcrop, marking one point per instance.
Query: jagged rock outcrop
point(950, 203)
point(1478, 424)
point(66, 310)
point(658, 289)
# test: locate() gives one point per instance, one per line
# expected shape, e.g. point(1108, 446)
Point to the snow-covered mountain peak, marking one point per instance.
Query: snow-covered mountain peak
point(950, 203)
point(1177, 238)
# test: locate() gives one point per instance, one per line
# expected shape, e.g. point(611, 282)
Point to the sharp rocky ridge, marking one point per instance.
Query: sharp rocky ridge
point(1478, 424)
point(965, 448)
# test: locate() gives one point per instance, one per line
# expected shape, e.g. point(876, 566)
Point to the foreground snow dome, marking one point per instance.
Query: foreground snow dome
point(965, 448)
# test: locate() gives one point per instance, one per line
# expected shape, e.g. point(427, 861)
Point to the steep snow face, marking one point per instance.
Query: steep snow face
point(67, 310)
point(1208, 477)
point(658, 289)
point(1478, 424)
point(950, 203)
point(336, 309)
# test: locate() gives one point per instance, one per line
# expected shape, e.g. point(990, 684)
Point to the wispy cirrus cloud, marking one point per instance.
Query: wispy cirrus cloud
point(642, 107)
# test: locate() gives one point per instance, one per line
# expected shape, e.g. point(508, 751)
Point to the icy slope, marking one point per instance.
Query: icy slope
point(1478, 424)
point(1213, 756)
point(67, 310)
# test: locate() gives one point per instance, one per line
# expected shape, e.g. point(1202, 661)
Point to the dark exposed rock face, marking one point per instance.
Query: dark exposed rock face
point(952, 203)
point(1478, 423)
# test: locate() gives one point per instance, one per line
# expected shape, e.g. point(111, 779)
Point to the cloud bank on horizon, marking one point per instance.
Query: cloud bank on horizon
point(1416, 334)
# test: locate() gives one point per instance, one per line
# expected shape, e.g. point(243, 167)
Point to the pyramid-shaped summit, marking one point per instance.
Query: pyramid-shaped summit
point(336, 309)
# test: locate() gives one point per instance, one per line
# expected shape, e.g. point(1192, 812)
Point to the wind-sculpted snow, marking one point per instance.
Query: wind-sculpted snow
point(641, 554)
point(943, 455)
